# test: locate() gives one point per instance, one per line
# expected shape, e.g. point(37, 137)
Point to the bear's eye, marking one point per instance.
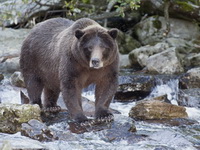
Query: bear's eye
point(107, 49)
point(88, 49)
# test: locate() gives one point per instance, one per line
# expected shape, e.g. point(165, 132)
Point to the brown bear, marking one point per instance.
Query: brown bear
point(60, 55)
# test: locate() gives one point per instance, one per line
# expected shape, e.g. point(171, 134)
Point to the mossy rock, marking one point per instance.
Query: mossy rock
point(127, 43)
point(184, 5)
point(13, 115)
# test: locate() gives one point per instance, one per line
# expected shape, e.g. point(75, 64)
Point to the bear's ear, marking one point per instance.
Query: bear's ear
point(113, 33)
point(79, 34)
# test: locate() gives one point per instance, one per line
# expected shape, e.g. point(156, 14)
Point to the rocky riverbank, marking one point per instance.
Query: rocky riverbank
point(157, 104)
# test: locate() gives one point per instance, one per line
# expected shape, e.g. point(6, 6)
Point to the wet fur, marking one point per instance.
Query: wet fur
point(52, 59)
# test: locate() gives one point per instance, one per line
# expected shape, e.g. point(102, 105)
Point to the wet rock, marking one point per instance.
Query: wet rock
point(1, 77)
point(52, 118)
point(126, 43)
point(152, 29)
point(18, 142)
point(141, 55)
point(119, 129)
point(38, 131)
point(174, 122)
point(153, 109)
point(13, 115)
point(169, 137)
point(17, 79)
point(165, 62)
point(191, 79)
point(189, 97)
point(136, 82)
point(134, 87)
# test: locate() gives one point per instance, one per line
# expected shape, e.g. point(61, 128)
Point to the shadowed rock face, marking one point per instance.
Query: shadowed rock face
point(191, 79)
point(134, 87)
point(189, 97)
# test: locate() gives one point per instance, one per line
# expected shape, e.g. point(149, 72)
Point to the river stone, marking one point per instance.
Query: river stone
point(165, 62)
point(37, 131)
point(141, 55)
point(189, 97)
point(152, 110)
point(134, 87)
point(126, 43)
point(17, 79)
point(13, 115)
point(152, 29)
point(191, 79)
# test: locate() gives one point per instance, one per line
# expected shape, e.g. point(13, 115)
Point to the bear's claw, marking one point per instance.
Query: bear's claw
point(52, 109)
point(91, 123)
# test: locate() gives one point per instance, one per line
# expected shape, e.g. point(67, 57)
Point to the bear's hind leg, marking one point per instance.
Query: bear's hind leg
point(50, 100)
point(34, 87)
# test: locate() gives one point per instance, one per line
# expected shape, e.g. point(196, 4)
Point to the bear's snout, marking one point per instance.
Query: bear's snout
point(96, 58)
point(95, 62)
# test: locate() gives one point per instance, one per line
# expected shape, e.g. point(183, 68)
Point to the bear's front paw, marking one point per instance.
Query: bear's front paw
point(54, 109)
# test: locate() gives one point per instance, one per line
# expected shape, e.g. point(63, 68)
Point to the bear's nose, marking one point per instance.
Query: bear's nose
point(95, 62)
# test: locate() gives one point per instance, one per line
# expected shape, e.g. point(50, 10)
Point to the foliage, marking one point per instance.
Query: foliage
point(12, 13)
point(123, 4)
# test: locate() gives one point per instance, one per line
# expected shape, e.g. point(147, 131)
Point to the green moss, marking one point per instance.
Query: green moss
point(185, 6)
point(157, 24)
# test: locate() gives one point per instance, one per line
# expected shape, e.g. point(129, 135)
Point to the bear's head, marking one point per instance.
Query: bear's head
point(97, 46)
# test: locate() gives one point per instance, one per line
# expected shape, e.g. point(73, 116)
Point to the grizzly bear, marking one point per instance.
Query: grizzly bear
point(60, 55)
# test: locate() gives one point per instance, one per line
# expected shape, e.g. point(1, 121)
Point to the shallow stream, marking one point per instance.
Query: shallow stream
point(149, 135)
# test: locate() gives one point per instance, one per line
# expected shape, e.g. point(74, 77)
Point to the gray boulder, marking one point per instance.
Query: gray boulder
point(165, 62)
point(152, 29)
point(141, 55)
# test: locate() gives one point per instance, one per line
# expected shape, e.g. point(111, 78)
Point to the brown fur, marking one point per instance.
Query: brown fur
point(56, 57)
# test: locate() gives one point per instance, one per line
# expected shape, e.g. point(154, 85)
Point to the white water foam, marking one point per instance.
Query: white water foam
point(170, 89)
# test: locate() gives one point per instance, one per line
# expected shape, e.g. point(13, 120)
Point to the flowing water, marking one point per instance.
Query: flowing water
point(149, 136)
